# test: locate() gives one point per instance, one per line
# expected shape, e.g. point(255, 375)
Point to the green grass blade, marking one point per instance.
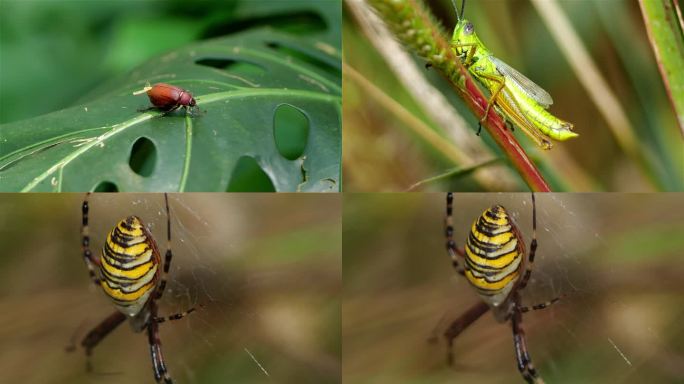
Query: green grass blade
point(451, 173)
point(663, 21)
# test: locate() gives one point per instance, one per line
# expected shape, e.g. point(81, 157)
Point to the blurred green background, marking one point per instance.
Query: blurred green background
point(55, 52)
point(616, 259)
point(266, 268)
point(383, 151)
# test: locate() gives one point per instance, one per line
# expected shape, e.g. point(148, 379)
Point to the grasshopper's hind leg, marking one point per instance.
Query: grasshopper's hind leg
point(537, 137)
point(507, 106)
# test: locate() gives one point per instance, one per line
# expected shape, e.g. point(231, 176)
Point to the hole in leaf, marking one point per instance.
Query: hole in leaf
point(233, 66)
point(291, 131)
point(249, 177)
point(302, 23)
point(305, 57)
point(106, 186)
point(143, 157)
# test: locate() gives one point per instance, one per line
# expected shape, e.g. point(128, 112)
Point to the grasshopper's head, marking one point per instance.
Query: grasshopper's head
point(464, 37)
point(464, 32)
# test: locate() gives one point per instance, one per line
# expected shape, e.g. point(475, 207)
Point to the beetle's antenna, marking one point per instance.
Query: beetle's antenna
point(455, 9)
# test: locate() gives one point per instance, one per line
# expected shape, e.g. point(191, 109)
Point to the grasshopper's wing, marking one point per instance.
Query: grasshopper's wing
point(526, 85)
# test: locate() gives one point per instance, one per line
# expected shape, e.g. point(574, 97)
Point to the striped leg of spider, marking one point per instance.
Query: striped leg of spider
point(452, 248)
point(91, 262)
point(533, 247)
point(539, 306)
point(158, 365)
point(523, 359)
point(176, 316)
point(169, 255)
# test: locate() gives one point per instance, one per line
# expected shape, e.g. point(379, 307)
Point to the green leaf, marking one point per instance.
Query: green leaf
point(241, 84)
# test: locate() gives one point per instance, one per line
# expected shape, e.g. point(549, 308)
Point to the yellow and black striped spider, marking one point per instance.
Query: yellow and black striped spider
point(129, 271)
point(493, 261)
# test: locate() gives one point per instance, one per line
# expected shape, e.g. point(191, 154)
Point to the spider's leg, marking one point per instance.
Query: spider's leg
point(91, 262)
point(176, 316)
point(460, 324)
point(533, 247)
point(101, 331)
point(169, 254)
point(539, 306)
point(453, 250)
point(523, 359)
point(158, 365)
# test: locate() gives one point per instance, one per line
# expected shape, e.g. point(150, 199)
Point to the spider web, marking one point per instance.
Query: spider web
point(195, 280)
point(612, 323)
point(219, 268)
point(603, 310)
point(186, 285)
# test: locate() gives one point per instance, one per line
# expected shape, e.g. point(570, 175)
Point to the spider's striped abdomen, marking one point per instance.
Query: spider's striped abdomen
point(129, 265)
point(494, 254)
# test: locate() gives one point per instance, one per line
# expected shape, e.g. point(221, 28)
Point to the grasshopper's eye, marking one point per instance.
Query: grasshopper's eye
point(468, 29)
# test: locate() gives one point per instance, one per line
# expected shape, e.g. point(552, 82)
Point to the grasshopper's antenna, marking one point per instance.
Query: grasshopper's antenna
point(458, 17)
point(455, 9)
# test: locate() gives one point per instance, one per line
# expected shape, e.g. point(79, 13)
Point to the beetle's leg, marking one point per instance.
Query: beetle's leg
point(189, 110)
point(167, 111)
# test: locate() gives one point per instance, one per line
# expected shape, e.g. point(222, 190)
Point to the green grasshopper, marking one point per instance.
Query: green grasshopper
point(513, 95)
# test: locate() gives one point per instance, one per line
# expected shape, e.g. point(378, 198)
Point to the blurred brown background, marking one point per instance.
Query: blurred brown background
point(266, 268)
point(616, 258)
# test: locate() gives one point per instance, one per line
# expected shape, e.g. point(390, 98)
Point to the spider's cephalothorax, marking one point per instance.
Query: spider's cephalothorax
point(130, 266)
point(494, 263)
point(131, 274)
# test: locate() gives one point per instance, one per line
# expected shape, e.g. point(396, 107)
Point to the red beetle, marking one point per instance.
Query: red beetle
point(168, 98)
